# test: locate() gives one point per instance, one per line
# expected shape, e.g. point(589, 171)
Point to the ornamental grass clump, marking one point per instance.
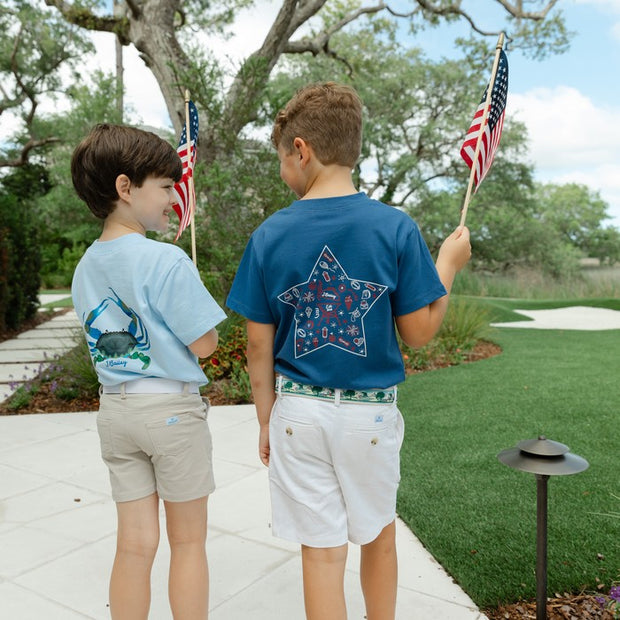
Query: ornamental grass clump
point(466, 323)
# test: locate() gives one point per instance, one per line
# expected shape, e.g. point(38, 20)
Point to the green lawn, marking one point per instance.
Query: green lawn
point(477, 516)
point(62, 303)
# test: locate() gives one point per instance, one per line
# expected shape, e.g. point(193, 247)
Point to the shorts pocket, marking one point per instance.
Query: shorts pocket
point(104, 428)
point(170, 436)
point(380, 420)
point(375, 437)
point(294, 434)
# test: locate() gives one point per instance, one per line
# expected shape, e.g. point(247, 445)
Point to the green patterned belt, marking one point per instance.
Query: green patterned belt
point(284, 385)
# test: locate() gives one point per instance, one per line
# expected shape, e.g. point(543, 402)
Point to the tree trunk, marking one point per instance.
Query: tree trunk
point(152, 32)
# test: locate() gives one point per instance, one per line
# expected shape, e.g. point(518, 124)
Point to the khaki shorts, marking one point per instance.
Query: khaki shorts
point(156, 443)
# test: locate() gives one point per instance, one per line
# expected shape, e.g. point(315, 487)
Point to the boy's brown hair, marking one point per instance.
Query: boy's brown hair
point(328, 116)
point(111, 150)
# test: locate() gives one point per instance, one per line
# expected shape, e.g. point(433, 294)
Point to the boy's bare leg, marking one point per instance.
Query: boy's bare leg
point(136, 545)
point(379, 575)
point(323, 574)
point(188, 584)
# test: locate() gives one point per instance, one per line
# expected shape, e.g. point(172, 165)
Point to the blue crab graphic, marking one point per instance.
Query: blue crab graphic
point(127, 343)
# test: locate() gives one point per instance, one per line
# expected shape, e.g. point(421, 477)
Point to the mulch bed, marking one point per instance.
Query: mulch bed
point(45, 401)
point(567, 607)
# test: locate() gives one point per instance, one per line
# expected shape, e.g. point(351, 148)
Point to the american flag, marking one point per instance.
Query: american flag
point(184, 189)
point(492, 130)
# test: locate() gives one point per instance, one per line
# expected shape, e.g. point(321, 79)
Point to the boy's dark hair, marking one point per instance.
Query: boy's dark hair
point(111, 150)
point(328, 116)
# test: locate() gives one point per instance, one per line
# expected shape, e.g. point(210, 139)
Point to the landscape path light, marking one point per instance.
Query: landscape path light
point(544, 458)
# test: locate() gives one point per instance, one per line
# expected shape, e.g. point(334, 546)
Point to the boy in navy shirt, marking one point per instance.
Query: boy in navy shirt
point(322, 284)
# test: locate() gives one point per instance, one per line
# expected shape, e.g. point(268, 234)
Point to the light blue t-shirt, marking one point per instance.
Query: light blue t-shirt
point(141, 302)
point(331, 274)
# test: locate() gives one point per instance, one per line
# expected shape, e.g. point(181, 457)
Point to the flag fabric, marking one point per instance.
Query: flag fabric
point(184, 189)
point(492, 129)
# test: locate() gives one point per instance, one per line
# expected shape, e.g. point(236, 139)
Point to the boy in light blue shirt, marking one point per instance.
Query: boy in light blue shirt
point(147, 318)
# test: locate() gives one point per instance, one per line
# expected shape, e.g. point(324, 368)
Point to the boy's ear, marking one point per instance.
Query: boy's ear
point(123, 185)
point(304, 151)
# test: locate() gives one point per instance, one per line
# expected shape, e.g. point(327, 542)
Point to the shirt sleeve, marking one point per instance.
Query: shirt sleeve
point(248, 295)
point(185, 304)
point(418, 280)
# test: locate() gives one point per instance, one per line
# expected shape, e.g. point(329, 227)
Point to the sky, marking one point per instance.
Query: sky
point(570, 103)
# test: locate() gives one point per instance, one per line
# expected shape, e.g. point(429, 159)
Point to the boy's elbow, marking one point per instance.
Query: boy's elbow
point(205, 345)
point(415, 329)
point(416, 340)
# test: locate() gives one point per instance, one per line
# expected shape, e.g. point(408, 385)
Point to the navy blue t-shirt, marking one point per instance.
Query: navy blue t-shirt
point(331, 274)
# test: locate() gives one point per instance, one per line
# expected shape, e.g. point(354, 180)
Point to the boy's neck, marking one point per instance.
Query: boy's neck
point(330, 182)
point(115, 226)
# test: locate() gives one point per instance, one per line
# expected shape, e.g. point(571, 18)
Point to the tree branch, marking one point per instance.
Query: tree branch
point(516, 10)
point(88, 20)
point(22, 159)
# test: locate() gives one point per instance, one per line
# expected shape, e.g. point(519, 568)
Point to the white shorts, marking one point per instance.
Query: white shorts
point(334, 469)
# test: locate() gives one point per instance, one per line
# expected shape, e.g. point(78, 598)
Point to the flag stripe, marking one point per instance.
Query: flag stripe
point(493, 125)
point(184, 189)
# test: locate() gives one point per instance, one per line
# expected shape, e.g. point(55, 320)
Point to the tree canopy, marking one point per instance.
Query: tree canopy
point(157, 27)
point(416, 113)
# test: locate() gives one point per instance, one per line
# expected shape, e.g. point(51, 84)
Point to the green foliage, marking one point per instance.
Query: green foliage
point(22, 397)
point(58, 270)
point(577, 213)
point(533, 283)
point(466, 323)
point(228, 366)
point(74, 374)
point(20, 258)
point(240, 194)
point(37, 48)
point(63, 245)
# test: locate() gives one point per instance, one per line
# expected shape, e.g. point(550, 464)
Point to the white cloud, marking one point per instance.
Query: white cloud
point(611, 6)
point(572, 139)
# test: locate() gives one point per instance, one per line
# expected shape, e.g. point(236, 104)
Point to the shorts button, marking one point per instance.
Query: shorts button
point(289, 430)
point(374, 441)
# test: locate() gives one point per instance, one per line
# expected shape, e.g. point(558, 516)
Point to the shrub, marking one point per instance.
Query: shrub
point(20, 262)
point(74, 374)
point(228, 364)
point(465, 324)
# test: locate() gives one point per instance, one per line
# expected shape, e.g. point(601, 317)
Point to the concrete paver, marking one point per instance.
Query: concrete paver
point(57, 532)
point(25, 357)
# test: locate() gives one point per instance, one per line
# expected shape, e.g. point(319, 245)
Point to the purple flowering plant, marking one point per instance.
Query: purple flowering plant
point(611, 602)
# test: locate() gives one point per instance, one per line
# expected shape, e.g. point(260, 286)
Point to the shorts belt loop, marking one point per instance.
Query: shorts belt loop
point(123, 393)
point(337, 393)
point(395, 394)
point(279, 385)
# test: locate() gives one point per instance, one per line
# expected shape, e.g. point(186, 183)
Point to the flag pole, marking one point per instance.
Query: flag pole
point(190, 181)
point(483, 124)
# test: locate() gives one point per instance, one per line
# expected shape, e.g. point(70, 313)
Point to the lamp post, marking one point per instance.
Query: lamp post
point(544, 458)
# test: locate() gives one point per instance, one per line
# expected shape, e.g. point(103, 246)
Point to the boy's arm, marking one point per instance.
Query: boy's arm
point(205, 345)
point(262, 378)
point(417, 328)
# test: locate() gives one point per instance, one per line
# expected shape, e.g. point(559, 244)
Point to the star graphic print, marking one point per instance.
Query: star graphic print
point(330, 308)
